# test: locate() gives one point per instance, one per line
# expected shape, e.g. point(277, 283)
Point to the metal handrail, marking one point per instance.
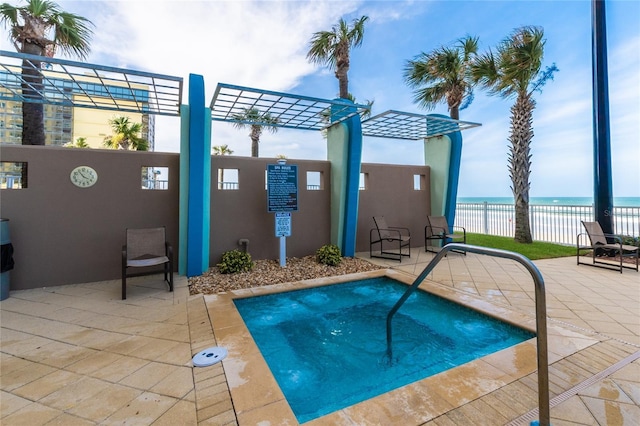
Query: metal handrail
point(541, 313)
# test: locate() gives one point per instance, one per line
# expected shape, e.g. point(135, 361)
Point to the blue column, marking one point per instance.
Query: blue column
point(443, 155)
point(352, 194)
point(199, 180)
point(344, 151)
point(602, 183)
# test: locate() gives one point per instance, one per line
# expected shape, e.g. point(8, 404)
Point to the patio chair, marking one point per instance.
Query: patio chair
point(145, 249)
point(394, 236)
point(599, 246)
point(437, 229)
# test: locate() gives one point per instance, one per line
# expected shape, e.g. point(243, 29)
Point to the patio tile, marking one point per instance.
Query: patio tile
point(65, 419)
point(94, 363)
point(143, 410)
point(15, 379)
point(34, 414)
point(50, 383)
point(612, 413)
point(177, 384)
point(104, 403)
point(10, 403)
point(148, 376)
point(182, 413)
point(119, 369)
point(75, 393)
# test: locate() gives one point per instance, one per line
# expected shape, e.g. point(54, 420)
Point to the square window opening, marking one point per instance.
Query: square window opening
point(228, 179)
point(315, 181)
point(13, 175)
point(155, 178)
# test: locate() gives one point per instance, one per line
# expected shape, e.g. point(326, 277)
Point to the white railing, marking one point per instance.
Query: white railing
point(552, 223)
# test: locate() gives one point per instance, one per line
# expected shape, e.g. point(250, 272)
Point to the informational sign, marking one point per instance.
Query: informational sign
point(282, 188)
point(283, 224)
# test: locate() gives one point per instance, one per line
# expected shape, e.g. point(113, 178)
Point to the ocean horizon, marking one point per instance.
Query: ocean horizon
point(562, 201)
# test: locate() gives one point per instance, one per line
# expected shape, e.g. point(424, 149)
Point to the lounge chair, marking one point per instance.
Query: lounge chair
point(437, 229)
point(394, 237)
point(600, 245)
point(145, 249)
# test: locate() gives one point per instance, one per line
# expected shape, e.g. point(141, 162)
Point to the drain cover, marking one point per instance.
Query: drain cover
point(209, 356)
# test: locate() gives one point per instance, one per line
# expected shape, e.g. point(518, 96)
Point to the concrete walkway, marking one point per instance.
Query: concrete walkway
point(78, 355)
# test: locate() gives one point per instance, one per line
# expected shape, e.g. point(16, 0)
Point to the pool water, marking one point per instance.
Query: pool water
point(326, 346)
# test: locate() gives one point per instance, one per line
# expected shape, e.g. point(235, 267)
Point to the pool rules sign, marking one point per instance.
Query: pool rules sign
point(282, 199)
point(282, 188)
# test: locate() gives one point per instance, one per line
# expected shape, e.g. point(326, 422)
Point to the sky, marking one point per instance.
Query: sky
point(263, 44)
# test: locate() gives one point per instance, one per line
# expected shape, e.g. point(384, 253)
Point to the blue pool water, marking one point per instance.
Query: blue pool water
point(326, 346)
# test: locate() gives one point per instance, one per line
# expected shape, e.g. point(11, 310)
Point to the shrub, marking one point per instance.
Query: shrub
point(235, 261)
point(329, 255)
point(630, 240)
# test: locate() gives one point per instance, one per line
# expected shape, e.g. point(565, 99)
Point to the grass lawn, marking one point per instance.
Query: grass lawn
point(534, 251)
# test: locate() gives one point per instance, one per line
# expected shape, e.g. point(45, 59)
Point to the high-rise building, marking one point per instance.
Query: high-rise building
point(65, 122)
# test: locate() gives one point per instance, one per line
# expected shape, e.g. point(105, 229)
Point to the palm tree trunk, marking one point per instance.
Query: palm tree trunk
point(32, 108)
point(520, 162)
point(343, 80)
point(256, 131)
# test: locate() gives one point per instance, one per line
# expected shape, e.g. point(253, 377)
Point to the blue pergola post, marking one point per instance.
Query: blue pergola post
point(195, 181)
point(602, 183)
point(344, 151)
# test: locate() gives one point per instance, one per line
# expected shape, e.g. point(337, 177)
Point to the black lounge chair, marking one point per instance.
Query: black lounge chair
point(438, 229)
point(393, 236)
point(601, 248)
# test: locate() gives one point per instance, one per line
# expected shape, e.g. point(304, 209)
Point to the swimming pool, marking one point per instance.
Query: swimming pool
point(326, 346)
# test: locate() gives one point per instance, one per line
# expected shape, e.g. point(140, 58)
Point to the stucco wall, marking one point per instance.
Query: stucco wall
point(389, 192)
point(65, 235)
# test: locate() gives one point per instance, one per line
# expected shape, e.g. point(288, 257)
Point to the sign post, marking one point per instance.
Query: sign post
point(282, 199)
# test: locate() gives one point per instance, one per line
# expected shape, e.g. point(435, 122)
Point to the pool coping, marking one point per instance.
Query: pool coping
point(257, 397)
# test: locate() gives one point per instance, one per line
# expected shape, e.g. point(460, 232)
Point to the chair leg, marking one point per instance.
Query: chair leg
point(124, 285)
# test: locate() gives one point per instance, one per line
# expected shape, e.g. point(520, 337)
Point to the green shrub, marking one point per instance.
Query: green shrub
point(630, 240)
point(329, 255)
point(235, 261)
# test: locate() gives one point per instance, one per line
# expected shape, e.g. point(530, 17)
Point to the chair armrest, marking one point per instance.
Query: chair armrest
point(400, 228)
point(124, 254)
point(464, 231)
point(168, 250)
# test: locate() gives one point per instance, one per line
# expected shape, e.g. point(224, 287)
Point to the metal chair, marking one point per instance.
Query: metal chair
point(146, 248)
point(437, 229)
point(599, 245)
point(392, 235)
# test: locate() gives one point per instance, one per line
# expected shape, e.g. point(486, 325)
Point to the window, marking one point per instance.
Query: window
point(419, 182)
point(314, 181)
point(228, 179)
point(364, 181)
point(13, 175)
point(155, 178)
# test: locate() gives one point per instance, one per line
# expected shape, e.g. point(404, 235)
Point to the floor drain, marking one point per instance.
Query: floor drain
point(209, 356)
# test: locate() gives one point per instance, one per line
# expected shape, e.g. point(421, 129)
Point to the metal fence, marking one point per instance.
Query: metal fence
point(552, 223)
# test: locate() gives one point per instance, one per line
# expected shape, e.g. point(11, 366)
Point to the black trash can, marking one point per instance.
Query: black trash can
point(6, 258)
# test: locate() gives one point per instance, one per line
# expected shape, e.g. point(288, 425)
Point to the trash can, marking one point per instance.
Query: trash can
point(6, 258)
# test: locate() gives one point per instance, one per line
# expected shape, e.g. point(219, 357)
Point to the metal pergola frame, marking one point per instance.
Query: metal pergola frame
point(79, 84)
point(291, 111)
point(405, 125)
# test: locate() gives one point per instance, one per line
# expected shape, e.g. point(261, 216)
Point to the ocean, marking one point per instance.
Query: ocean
point(560, 201)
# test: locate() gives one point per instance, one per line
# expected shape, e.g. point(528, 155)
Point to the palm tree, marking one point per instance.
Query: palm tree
point(257, 121)
point(80, 142)
point(37, 28)
point(333, 47)
point(126, 135)
point(443, 75)
point(221, 150)
point(516, 71)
